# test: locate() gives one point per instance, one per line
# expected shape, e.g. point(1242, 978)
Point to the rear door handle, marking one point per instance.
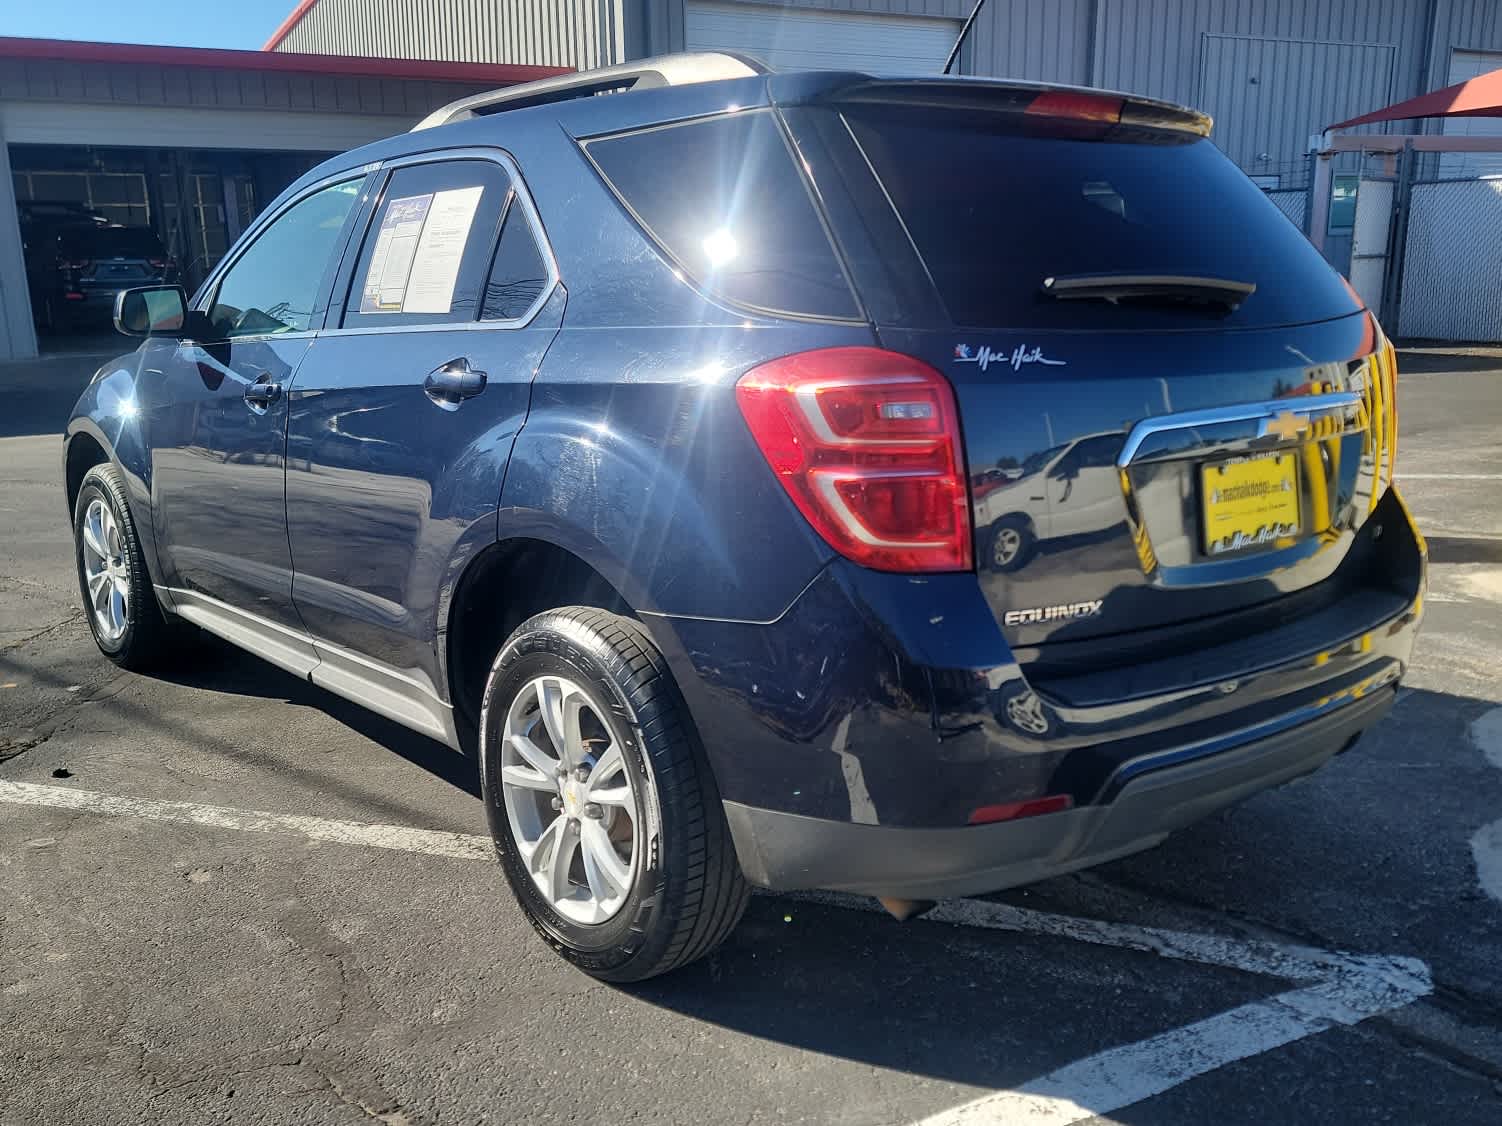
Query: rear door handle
point(455, 381)
point(263, 392)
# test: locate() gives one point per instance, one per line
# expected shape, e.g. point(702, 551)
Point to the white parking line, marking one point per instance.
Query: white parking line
point(463, 846)
point(1336, 988)
point(1450, 476)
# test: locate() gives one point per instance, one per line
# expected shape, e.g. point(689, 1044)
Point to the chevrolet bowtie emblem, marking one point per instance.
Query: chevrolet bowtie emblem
point(1285, 426)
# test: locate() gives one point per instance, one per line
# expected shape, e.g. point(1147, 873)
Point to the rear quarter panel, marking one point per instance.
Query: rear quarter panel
point(634, 455)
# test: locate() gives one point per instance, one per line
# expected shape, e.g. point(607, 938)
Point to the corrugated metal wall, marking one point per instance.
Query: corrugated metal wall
point(1248, 84)
point(1271, 71)
point(54, 80)
point(576, 33)
point(1037, 42)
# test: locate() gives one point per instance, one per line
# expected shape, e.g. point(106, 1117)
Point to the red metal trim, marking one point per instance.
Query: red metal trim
point(302, 9)
point(1476, 97)
point(493, 74)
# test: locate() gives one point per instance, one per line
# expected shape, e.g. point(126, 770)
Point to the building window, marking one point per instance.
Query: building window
point(1343, 203)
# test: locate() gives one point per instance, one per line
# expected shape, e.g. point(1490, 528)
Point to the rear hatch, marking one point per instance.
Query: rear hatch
point(113, 257)
point(1172, 407)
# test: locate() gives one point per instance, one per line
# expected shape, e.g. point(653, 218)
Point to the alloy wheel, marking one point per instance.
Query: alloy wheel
point(570, 800)
point(1008, 544)
point(106, 571)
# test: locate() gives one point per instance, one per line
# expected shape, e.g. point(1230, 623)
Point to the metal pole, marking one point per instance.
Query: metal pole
point(1319, 213)
point(954, 52)
point(1397, 247)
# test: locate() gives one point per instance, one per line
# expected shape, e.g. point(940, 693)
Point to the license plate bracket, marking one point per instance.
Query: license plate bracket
point(1249, 503)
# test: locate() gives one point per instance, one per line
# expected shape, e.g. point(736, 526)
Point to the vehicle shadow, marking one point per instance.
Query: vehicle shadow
point(1464, 549)
point(37, 396)
point(996, 1009)
point(210, 663)
point(1418, 359)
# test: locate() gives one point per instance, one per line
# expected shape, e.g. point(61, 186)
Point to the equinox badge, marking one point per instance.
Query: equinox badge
point(1065, 613)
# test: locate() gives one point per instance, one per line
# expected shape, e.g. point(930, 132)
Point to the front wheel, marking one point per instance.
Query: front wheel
point(601, 803)
point(124, 615)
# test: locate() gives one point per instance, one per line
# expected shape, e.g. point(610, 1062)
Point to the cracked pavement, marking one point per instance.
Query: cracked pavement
point(192, 974)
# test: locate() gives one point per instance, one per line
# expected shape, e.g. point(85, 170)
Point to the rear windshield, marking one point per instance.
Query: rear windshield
point(112, 242)
point(725, 201)
point(994, 210)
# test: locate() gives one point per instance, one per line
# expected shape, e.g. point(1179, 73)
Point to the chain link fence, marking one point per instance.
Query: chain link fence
point(1450, 287)
point(1293, 202)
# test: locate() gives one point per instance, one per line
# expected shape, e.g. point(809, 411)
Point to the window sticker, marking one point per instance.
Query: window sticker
point(430, 289)
point(391, 261)
point(415, 264)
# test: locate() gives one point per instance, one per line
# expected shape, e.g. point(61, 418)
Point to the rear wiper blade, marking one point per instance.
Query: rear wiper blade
point(1149, 287)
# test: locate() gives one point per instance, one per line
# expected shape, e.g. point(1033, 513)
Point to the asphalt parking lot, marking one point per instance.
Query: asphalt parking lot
point(226, 896)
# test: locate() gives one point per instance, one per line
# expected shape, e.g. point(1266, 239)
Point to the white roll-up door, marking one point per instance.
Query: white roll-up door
point(805, 39)
point(1464, 66)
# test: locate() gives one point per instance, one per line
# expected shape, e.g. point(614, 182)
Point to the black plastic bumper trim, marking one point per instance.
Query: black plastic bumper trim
point(787, 851)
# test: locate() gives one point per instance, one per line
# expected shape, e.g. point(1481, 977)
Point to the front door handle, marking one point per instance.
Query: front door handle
point(263, 392)
point(452, 383)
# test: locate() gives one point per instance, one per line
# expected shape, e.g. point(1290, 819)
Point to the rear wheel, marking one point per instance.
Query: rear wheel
point(118, 596)
point(602, 806)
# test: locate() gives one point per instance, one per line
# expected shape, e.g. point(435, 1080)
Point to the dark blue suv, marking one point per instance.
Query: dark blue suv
point(912, 487)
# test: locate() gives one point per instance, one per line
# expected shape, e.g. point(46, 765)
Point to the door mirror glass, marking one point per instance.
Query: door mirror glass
point(158, 310)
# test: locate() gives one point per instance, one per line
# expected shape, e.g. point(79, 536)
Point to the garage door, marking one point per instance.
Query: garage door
point(1464, 66)
point(800, 39)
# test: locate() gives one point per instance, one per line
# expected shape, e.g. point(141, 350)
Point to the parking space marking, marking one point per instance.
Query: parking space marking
point(1335, 988)
point(1486, 845)
point(1452, 477)
point(462, 846)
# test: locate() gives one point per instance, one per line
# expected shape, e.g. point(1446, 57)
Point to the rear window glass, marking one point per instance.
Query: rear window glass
point(112, 242)
point(994, 210)
point(724, 200)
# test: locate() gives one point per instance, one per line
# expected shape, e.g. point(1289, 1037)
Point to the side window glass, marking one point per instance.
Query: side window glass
point(1343, 203)
point(724, 198)
point(1100, 453)
point(427, 249)
point(274, 286)
point(519, 273)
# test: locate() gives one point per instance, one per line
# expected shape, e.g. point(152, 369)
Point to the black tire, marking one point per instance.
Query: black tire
point(147, 638)
point(1018, 551)
point(687, 891)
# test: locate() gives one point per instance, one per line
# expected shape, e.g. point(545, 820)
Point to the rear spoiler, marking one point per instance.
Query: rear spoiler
point(1061, 103)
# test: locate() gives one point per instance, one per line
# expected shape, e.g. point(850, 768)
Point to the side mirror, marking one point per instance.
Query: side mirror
point(154, 310)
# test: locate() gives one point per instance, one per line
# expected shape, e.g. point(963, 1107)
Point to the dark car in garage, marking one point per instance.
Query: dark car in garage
point(76, 263)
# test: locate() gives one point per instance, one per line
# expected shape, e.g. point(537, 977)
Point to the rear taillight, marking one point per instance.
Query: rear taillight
point(867, 443)
point(74, 264)
point(157, 263)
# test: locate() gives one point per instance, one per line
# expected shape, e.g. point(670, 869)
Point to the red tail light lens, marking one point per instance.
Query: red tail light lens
point(74, 264)
point(157, 263)
point(867, 443)
point(1076, 107)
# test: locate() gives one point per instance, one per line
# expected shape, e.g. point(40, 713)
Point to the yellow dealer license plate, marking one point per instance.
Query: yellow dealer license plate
point(1249, 502)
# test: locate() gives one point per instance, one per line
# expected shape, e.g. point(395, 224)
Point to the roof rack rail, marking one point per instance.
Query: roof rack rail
point(644, 74)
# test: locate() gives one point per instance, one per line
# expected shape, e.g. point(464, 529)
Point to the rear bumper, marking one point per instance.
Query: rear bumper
point(787, 851)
